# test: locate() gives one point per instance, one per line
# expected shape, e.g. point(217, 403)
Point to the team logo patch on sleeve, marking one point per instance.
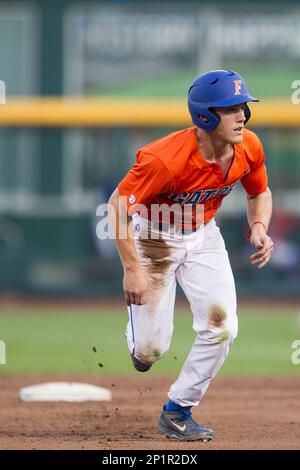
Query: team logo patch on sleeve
point(132, 199)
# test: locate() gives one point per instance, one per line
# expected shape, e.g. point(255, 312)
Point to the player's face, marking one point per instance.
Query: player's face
point(230, 127)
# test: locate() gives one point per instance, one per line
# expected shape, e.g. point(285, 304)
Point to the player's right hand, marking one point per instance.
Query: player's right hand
point(135, 286)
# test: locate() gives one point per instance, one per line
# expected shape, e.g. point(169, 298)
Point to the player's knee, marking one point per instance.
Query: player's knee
point(221, 324)
point(223, 334)
point(226, 334)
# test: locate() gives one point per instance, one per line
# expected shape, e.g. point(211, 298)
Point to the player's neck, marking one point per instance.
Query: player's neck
point(213, 150)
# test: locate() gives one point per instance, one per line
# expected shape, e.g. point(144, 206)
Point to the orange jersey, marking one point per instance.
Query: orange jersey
point(172, 170)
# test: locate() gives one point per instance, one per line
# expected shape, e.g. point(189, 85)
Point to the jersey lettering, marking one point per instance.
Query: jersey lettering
point(201, 195)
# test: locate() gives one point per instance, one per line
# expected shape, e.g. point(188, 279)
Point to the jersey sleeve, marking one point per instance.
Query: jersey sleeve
point(147, 178)
point(256, 181)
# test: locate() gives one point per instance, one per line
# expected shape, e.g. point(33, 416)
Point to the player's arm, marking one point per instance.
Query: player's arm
point(135, 280)
point(260, 210)
point(259, 198)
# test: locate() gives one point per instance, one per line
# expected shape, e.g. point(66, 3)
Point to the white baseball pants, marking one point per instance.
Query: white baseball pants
point(199, 262)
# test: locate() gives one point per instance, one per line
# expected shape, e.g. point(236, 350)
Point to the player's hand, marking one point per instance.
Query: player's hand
point(135, 286)
point(263, 244)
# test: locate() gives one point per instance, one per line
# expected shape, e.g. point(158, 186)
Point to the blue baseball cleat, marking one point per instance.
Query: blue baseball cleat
point(180, 425)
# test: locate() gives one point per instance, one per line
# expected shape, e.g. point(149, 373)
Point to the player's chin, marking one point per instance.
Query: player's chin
point(236, 138)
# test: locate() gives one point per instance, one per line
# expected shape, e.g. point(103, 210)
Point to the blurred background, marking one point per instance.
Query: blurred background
point(88, 83)
point(62, 152)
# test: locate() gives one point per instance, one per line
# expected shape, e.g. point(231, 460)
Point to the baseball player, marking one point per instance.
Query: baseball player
point(191, 169)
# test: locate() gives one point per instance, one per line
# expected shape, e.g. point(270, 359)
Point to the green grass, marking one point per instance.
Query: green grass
point(62, 341)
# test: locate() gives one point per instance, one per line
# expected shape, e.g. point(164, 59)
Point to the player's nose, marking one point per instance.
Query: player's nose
point(243, 114)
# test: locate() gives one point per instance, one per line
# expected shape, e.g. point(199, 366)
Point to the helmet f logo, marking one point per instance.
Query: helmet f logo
point(238, 84)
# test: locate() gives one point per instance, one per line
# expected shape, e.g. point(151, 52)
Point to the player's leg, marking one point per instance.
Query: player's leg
point(207, 280)
point(150, 326)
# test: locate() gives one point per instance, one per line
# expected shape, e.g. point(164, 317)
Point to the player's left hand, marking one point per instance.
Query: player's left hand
point(263, 244)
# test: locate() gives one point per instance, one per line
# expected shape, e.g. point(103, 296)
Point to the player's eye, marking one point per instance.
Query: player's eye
point(235, 109)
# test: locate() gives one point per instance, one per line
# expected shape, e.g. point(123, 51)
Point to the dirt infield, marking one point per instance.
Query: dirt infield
point(245, 414)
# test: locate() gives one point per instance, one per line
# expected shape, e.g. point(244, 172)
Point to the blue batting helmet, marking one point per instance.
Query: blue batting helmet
point(216, 89)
